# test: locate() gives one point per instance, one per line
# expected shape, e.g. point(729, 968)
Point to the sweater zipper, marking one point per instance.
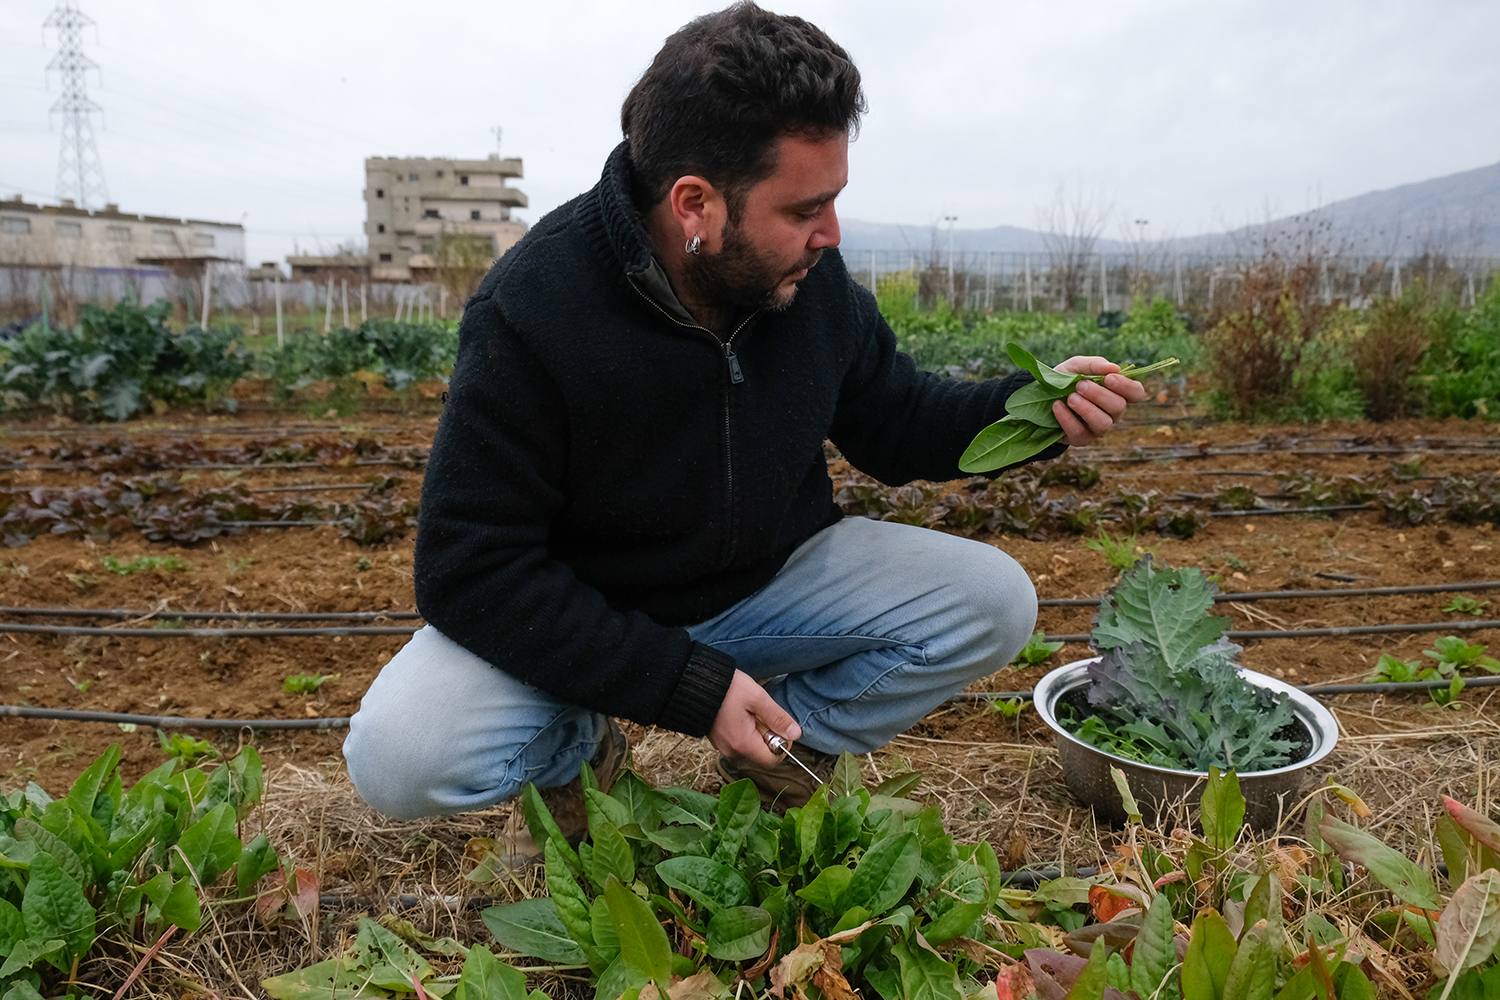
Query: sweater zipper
point(736, 376)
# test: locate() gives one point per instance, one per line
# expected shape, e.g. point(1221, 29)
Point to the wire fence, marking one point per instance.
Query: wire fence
point(313, 303)
point(1016, 281)
point(979, 280)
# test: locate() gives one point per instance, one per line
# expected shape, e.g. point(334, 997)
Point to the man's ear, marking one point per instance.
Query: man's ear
point(700, 210)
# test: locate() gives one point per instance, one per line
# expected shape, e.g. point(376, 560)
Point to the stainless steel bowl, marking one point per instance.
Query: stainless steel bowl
point(1086, 768)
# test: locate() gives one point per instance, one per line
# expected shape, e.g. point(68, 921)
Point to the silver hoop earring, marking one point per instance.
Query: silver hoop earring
point(693, 244)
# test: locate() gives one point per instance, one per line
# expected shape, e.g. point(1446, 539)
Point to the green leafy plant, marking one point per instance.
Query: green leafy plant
point(1452, 656)
point(185, 748)
point(1394, 670)
point(126, 864)
point(1037, 650)
point(1167, 688)
point(1465, 605)
point(1029, 425)
point(1452, 653)
point(233, 566)
point(306, 683)
point(142, 563)
point(386, 960)
point(1120, 552)
point(397, 355)
point(859, 889)
point(115, 361)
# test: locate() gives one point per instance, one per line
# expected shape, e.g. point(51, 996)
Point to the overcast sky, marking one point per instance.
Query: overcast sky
point(1193, 115)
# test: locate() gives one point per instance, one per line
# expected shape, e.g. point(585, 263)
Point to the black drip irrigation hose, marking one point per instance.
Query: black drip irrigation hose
point(253, 467)
point(114, 430)
point(167, 614)
point(1274, 511)
point(168, 721)
point(297, 633)
point(1327, 690)
point(208, 633)
point(342, 722)
point(1287, 595)
point(310, 488)
point(170, 614)
point(1402, 628)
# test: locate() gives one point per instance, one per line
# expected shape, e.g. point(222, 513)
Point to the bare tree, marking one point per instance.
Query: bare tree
point(1071, 225)
point(461, 261)
point(1149, 257)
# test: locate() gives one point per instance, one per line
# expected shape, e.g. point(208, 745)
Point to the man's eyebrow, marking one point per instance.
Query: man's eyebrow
point(817, 199)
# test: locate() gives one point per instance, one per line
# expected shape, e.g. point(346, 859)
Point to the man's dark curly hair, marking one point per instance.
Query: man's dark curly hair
point(724, 89)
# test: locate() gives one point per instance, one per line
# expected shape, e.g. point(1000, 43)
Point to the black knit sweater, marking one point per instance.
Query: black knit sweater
point(605, 473)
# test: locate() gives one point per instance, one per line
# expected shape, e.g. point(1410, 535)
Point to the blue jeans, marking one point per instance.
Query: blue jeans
point(867, 628)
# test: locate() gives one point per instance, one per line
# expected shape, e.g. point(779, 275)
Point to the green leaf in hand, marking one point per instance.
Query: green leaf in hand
point(1033, 403)
point(1043, 373)
point(1006, 442)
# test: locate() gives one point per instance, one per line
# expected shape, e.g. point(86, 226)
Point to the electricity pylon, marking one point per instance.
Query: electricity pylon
point(80, 175)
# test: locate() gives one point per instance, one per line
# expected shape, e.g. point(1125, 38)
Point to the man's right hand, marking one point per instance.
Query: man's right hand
point(746, 713)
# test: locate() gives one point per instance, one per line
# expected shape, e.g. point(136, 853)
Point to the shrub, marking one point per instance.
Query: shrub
point(1460, 376)
point(1255, 349)
point(1397, 333)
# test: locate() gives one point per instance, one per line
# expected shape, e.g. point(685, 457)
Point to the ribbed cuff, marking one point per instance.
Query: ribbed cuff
point(700, 691)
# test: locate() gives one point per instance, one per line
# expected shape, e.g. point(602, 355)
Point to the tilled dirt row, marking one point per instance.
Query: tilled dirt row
point(313, 569)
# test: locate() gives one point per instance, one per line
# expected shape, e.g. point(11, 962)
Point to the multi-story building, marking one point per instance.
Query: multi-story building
point(65, 236)
point(410, 204)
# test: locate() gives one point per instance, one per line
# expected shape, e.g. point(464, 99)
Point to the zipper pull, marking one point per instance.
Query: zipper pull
point(735, 375)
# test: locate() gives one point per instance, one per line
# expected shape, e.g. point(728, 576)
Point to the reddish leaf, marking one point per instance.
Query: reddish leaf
point(270, 903)
point(1107, 905)
point(304, 898)
point(1479, 826)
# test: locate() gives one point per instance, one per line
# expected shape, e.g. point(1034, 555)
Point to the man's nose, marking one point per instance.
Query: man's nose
point(827, 234)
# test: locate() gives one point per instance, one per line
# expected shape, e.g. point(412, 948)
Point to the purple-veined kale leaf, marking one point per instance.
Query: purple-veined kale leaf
point(1170, 683)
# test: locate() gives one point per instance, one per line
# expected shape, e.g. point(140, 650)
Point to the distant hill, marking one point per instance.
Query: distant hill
point(1458, 215)
point(860, 235)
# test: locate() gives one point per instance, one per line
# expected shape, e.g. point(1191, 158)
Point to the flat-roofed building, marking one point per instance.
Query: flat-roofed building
point(320, 268)
point(65, 236)
point(411, 204)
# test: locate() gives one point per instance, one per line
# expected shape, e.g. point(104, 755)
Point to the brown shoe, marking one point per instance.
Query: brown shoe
point(565, 803)
point(784, 786)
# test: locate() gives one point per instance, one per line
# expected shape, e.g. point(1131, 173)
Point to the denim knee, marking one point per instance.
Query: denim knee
point(1002, 600)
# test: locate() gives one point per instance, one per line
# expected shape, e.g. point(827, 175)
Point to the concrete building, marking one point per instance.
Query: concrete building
point(411, 203)
point(345, 266)
point(64, 236)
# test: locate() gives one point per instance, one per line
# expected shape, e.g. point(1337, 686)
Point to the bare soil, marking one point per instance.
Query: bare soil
point(996, 776)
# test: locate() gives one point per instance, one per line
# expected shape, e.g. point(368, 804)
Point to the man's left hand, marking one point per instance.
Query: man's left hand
point(1092, 409)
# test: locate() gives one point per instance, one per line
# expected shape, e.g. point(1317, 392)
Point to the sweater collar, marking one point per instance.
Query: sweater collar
point(628, 237)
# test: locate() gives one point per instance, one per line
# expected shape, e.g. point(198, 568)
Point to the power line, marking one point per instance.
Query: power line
point(283, 114)
point(78, 166)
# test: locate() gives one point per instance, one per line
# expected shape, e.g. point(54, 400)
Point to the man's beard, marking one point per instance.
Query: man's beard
point(740, 275)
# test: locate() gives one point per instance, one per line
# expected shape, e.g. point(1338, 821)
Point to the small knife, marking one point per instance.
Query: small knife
point(783, 745)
